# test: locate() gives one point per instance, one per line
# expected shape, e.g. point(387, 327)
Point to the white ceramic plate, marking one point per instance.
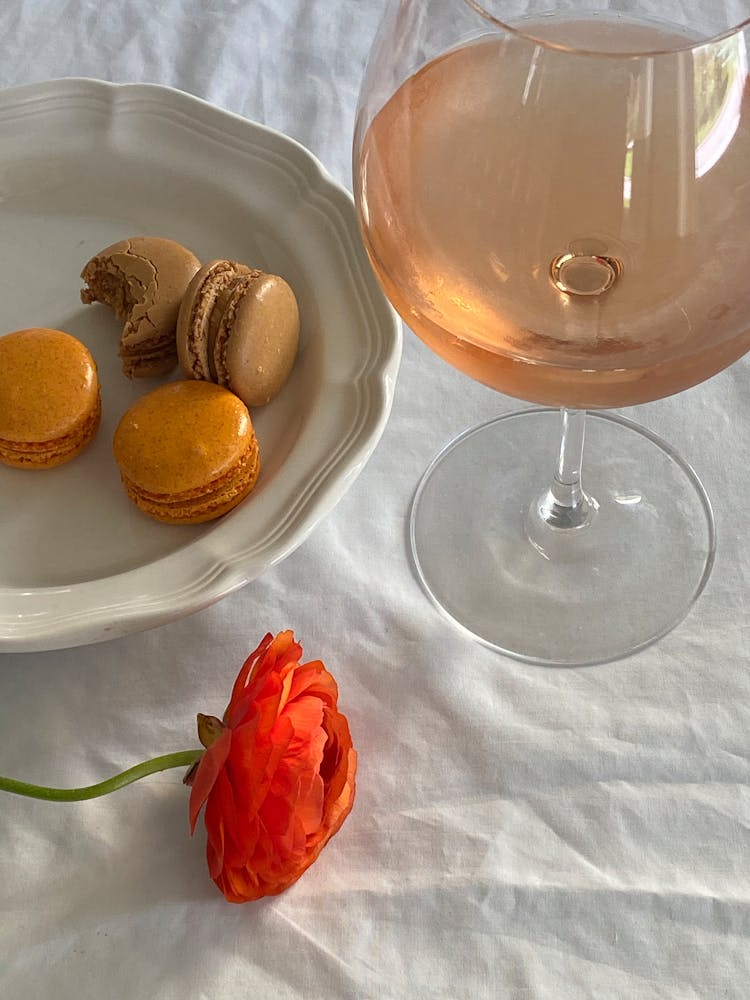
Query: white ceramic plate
point(82, 164)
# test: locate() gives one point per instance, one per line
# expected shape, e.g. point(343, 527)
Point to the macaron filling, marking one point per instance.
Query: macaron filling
point(221, 318)
point(226, 324)
point(197, 311)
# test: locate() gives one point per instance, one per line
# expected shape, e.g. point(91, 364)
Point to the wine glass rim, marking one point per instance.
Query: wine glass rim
point(529, 36)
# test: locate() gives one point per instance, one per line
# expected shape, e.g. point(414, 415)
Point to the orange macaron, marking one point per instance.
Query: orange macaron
point(50, 403)
point(187, 452)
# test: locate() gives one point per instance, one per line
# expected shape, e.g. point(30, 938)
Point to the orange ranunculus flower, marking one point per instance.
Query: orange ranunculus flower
point(277, 777)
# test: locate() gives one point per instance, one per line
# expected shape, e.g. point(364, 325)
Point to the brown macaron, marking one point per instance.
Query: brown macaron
point(187, 452)
point(143, 279)
point(239, 327)
point(50, 404)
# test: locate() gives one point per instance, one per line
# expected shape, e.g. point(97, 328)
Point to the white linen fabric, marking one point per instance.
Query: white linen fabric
point(518, 831)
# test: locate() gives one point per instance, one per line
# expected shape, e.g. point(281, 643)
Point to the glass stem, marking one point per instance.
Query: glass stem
point(564, 504)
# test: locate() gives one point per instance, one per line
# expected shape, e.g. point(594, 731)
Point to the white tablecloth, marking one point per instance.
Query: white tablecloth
point(518, 831)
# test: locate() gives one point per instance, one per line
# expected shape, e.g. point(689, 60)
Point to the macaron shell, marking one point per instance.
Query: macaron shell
point(181, 437)
point(50, 403)
point(197, 307)
point(258, 338)
point(52, 453)
point(143, 279)
point(199, 505)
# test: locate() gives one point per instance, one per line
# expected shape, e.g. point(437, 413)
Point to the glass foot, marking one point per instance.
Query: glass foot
point(562, 596)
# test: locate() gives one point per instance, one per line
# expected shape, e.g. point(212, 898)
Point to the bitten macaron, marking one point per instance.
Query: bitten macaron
point(239, 327)
point(50, 403)
point(187, 452)
point(143, 279)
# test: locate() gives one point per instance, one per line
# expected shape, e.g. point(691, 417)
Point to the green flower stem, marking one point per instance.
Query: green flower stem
point(182, 758)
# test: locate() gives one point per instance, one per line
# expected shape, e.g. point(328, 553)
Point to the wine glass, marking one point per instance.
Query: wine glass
point(556, 199)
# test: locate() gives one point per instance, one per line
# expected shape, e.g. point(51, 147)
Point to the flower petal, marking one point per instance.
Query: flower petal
point(209, 768)
point(280, 778)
